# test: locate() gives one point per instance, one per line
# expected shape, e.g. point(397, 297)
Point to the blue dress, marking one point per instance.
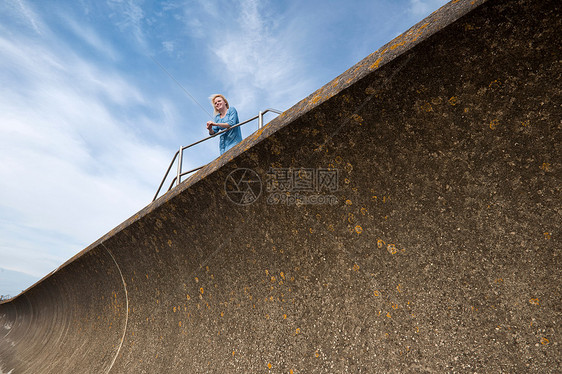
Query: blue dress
point(231, 137)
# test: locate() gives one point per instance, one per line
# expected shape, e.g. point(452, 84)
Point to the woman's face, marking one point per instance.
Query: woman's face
point(219, 103)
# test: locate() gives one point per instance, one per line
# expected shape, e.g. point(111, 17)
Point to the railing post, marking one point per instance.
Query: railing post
point(180, 159)
point(260, 119)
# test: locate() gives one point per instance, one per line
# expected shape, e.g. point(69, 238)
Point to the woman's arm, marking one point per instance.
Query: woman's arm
point(230, 119)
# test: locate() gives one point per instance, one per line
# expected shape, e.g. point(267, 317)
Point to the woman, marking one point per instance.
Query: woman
point(225, 118)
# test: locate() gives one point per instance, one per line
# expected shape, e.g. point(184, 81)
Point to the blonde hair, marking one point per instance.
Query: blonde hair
point(213, 97)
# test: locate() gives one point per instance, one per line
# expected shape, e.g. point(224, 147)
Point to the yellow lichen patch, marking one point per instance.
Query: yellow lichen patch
point(188, 297)
point(355, 267)
point(394, 306)
point(534, 301)
point(399, 288)
point(169, 243)
point(388, 315)
point(357, 118)
point(348, 202)
point(426, 107)
point(358, 229)
point(544, 341)
point(179, 323)
point(496, 83)
point(545, 166)
point(453, 101)
point(391, 248)
point(370, 90)
point(269, 366)
point(316, 99)
point(297, 331)
point(525, 123)
point(311, 230)
point(398, 44)
point(201, 290)
point(494, 124)
point(547, 235)
point(351, 217)
point(376, 293)
point(376, 64)
point(174, 309)
point(284, 316)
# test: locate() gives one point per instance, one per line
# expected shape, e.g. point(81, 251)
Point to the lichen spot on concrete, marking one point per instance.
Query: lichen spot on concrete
point(534, 301)
point(358, 229)
point(376, 293)
point(494, 124)
point(544, 341)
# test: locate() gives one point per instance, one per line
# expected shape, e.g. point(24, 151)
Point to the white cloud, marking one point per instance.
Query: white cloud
point(26, 13)
point(71, 163)
point(169, 46)
point(424, 7)
point(129, 16)
point(255, 57)
point(88, 35)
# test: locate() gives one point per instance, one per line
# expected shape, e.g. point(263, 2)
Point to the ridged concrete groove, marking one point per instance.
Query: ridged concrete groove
point(126, 309)
point(436, 250)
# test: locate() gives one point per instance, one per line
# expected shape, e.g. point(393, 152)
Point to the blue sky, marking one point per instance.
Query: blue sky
point(89, 121)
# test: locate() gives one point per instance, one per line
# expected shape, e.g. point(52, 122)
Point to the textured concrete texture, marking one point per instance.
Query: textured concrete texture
point(430, 241)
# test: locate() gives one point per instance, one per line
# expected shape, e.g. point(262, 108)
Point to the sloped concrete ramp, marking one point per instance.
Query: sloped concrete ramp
point(405, 218)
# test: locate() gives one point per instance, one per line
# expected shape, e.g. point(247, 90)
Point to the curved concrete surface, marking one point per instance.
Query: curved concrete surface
point(429, 242)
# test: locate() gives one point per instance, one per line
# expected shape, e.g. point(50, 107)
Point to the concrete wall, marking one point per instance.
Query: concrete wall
point(441, 254)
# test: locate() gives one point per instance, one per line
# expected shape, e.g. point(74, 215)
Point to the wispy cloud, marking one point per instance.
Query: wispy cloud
point(26, 13)
point(129, 17)
point(254, 56)
point(72, 164)
point(424, 7)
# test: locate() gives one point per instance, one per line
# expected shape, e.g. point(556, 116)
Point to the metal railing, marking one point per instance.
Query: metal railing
point(179, 154)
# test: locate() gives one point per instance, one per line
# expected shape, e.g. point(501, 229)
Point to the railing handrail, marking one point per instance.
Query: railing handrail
point(179, 152)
